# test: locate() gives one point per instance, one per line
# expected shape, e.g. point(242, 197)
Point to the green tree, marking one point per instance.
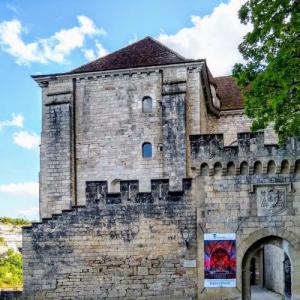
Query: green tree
point(11, 270)
point(270, 77)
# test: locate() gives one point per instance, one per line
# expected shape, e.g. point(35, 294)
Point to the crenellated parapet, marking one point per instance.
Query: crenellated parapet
point(249, 156)
point(97, 192)
point(97, 196)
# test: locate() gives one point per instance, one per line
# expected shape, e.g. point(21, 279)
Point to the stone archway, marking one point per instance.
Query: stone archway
point(287, 241)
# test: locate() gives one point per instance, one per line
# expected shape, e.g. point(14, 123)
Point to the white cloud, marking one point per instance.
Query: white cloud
point(91, 54)
point(26, 189)
point(16, 121)
point(29, 213)
point(101, 51)
point(214, 37)
point(26, 140)
point(133, 40)
point(12, 8)
point(52, 49)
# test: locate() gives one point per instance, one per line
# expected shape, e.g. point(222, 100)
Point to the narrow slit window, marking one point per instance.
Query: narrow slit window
point(147, 105)
point(147, 150)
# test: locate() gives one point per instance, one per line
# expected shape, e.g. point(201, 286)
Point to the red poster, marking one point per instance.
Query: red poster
point(219, 260)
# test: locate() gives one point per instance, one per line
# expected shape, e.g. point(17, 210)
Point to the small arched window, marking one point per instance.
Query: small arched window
point(147, 104)
point(204, 170)
point(147, 150)
point(244, 168)
point(285, 167)
point(231, 168)
point(271, 167)
point(257, 168)
point(218, 169)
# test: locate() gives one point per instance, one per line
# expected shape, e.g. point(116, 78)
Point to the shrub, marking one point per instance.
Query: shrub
point(2, 241)
point(11, 270)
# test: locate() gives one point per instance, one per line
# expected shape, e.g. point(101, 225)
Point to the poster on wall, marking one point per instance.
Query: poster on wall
point(219, 260)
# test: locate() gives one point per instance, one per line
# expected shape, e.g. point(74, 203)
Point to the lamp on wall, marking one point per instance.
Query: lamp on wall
point(186, 237)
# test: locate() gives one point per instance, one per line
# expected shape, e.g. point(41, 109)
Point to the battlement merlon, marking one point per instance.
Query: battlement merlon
point(97, 191)
point(250, 146)
point(98, 197)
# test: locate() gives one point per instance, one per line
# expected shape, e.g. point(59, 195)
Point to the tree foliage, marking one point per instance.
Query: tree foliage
point(270, 77)
point(11, 270)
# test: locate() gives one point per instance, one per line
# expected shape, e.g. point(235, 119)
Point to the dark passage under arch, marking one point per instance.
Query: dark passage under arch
point(266, 266)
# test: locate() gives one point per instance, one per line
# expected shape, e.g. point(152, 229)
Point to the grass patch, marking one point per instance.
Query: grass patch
point(14, 221)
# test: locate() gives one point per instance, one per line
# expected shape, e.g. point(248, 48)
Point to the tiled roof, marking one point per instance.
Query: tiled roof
point(229, 92)
point(146, 52)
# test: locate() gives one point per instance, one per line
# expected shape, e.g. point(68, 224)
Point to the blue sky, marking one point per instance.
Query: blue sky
point(42, 37)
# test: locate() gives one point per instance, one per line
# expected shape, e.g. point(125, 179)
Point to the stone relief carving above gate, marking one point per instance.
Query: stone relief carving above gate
point(271, 200)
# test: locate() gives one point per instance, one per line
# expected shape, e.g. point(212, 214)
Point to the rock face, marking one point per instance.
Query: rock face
point(12, 237)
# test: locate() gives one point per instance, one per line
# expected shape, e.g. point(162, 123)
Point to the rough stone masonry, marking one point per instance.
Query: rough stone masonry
point(128, 191)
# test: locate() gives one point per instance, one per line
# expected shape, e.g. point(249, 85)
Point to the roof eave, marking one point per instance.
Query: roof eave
point(209, 99)
point(39, 78)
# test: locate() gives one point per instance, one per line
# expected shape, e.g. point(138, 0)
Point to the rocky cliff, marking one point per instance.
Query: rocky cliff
point(10, 237)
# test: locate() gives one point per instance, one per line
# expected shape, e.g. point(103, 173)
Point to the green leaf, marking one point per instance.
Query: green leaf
point(270, 76)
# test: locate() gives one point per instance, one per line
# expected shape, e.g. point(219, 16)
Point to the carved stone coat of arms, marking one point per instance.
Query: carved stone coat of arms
point(270, 200)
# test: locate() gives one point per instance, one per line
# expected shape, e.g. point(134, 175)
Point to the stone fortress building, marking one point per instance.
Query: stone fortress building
point(153, 187)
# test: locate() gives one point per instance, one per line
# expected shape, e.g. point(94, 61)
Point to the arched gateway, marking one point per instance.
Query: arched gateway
point(263, 241)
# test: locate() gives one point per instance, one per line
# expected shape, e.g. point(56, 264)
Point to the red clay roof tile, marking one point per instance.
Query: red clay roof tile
point(146, 52)
point(229, 92)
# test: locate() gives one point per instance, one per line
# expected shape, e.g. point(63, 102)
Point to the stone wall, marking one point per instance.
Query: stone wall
point(56, 156)
point(11, 295)
point(174, 132)
point(230, 123)
point(273, 260)
point(111, 128)
point(115, 247)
